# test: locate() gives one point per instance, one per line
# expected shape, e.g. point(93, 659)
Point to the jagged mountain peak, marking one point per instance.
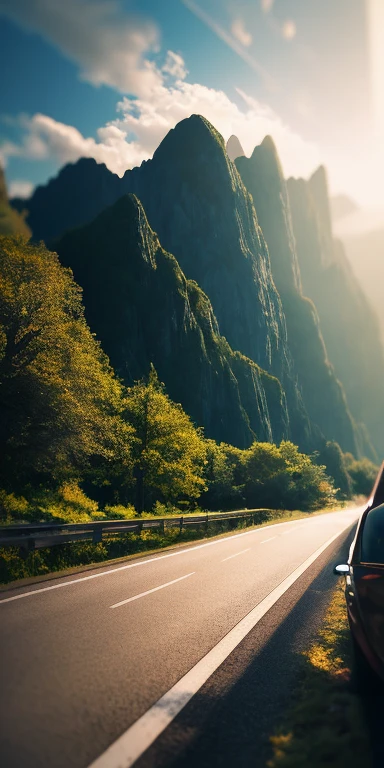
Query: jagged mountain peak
point(191, 135)
point(267, 155)
point(234, 148)
point(318, 187)
point(144, 310)
point(269, 144)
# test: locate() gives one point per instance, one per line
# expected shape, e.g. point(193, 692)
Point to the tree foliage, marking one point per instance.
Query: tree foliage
point(168, 451)
point(266, 475)
point(363, 473)
point(60, 403)
point(334, 460)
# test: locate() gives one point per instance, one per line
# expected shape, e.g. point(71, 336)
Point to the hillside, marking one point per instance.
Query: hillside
point(145, 311)
point(323, 395)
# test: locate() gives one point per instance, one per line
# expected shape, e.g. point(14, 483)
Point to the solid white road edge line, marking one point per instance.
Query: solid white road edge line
point(136, 740)
point(149, 591)
point(236, 555)
point(150, 560)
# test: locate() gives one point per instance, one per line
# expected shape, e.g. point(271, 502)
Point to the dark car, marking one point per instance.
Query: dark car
point(364, 592)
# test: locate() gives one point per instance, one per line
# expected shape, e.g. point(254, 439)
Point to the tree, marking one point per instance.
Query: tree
point(60, 403)
point(224, 476)
point(168, 450)
point(333, 459)
point(363, 473)
point(283, 478)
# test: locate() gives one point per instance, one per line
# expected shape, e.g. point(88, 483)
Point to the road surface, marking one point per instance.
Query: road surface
point(176, 659)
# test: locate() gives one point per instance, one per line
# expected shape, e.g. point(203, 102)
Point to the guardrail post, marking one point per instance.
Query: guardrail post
point(181, 524)
point(206, 522)
point(97, 534)
point(26, 548)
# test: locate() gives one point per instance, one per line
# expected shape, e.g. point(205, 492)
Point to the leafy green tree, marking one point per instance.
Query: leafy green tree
point(168, 451)
point(283, 478)
point(333, 459)
point(224, 476)
point(60, 404)
point(363, 473)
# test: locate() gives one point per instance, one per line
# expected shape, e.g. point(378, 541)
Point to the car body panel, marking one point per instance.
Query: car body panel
point(364, 589)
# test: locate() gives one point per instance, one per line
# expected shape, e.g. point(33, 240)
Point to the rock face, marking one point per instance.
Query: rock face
point(348, 323)
point(75, 196)
point(143, 310)
point(11, 221)
point(323, 395)
point(342, 206)
point(198, 205)
point(234, 148)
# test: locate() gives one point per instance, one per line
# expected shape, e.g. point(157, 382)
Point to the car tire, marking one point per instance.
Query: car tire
point(364, 680)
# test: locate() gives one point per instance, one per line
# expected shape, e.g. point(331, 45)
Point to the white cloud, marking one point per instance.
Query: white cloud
point(289, 29)
point(266, 5)
point(175, 66)
point(109, 47)
point(143, 122)
point(20, 188)
point(45, 138)
point(238, 30)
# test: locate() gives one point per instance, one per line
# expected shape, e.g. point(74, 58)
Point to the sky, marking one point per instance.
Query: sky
point(108, 78)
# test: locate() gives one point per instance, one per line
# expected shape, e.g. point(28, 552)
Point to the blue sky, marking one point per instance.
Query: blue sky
point(108, 79)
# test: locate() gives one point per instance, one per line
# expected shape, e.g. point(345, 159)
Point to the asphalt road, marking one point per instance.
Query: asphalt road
point(179, 659)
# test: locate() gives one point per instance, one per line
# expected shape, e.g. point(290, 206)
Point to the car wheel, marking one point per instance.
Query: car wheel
point(364, 680)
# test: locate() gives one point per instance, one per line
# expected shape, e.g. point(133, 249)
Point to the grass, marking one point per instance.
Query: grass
point(326, 725)
point(76, 556)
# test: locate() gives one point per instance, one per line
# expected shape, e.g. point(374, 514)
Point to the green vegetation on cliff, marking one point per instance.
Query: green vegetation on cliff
point(144, 310)
point(77, 444)
point(322, 393)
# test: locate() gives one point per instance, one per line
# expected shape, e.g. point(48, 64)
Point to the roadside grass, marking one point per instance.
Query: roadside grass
point(79, 555)
point(325, 727)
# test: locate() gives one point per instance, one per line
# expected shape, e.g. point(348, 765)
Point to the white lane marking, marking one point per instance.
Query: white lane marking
point(236, 555)
point(136, 739)
point(265, 540)
point(149, 591)
point(145, 562)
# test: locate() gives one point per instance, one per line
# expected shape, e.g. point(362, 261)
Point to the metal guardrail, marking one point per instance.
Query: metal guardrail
point(30, 537)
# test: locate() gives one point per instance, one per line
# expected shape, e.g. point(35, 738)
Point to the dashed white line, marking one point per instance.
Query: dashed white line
point(265, 540)
point(141, 563)
point(236, 555)
point(130, 745)
point(149, 591)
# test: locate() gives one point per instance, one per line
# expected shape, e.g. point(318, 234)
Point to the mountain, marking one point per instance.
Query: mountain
point(234, 148)
point(11, 221)
point(322, 393)
point(198, 205)
point(348, 322)
point(342, 206)
point(75, 196)
point(362, 234)
point(144, 310)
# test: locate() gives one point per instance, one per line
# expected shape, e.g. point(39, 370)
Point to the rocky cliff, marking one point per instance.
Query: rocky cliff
point(143, 310)
point(322, 393)
point(75, 196)
point(349, 325)
point(198, 205)
point(234, 148)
